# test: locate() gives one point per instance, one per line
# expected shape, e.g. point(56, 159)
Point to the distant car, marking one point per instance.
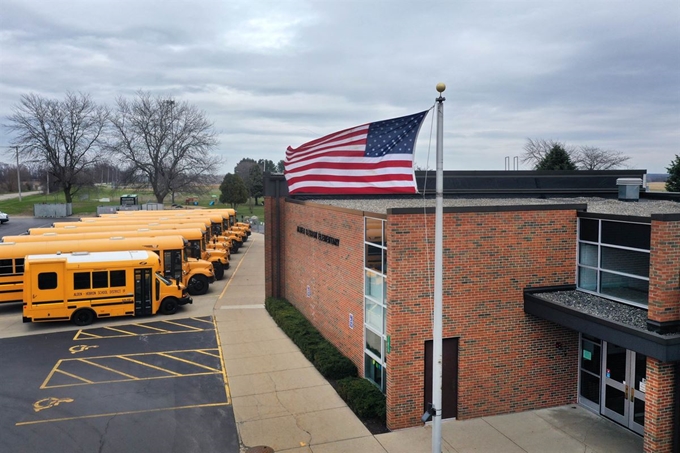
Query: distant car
point(4, 217)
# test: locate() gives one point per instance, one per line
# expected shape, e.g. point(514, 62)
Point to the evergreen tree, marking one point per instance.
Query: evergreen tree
point(673, 182)
point(556, 159)
point(233, 191)
point(256, 180)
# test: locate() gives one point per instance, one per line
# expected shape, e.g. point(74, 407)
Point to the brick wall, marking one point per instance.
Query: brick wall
point(660, 419)
point(664, 272)
point(334, 274)
point(508, 361)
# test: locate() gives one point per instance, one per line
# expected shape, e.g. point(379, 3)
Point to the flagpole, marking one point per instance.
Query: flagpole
point(438, 279)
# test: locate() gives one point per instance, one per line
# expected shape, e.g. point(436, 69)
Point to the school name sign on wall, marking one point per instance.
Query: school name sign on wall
point(321, 237)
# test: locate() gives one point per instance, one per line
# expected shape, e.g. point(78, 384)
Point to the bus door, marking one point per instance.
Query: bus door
point(143, 288)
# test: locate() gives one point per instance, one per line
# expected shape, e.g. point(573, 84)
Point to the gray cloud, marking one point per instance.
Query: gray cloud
point(272, 74)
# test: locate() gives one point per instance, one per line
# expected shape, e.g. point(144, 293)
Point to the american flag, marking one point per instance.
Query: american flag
point(374, 158)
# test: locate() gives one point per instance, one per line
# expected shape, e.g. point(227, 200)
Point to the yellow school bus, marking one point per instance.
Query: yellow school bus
point(213, 224)
point(131, 225)
point(196, 275)
point(195, 238)
point(232, 213)
point(228, 212)
point(220, 220)
point(82, 286)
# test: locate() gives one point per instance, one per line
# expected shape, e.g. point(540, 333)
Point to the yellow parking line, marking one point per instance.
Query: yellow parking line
point(49, 376)
point(207, 353)
point(227, 391)
point(202, 320)
point(117, 381)
point(113, 414)
point(183, 325)
point(82, 332)
point(132, 334)
point(146, 326)
point(74, 376)
point(150, 366)
point(108, 369)
point(189, 362)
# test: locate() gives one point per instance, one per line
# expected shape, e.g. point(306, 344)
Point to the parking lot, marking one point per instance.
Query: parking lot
point(153, 384)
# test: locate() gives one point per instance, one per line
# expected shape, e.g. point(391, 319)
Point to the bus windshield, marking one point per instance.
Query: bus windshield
point(163, 279)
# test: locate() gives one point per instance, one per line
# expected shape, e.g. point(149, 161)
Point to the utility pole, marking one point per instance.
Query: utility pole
point(18, 172)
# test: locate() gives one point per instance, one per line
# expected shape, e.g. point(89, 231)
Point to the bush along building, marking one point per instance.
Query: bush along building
point(558, 288)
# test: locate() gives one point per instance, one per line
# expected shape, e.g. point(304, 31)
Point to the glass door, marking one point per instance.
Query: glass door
point(143, 305)
point(623, 386)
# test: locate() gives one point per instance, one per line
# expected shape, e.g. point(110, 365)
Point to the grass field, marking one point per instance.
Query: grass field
point(85, 203)
point(657, 186)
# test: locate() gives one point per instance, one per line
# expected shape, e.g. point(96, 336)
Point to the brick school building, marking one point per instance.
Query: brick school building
point(555, 292)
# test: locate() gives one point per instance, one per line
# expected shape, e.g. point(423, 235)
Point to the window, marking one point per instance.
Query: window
point(47, 280)
point(6, 267)
point(375, 301)
point(613, 259)
point(100, 279)
point(81, 280)
point(117, 278)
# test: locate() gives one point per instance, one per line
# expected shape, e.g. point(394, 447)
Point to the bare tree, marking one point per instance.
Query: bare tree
point(168, 143)
point(535, 150)
point(68, 136)
point(592, 158)
point(584, 157)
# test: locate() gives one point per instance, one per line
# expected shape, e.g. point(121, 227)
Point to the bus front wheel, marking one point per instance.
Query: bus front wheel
point(198, 285)
point(169, 306)
point(83, 317)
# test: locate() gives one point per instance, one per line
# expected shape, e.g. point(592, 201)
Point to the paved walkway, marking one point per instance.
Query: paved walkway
point(281, 401)
point(10, 196)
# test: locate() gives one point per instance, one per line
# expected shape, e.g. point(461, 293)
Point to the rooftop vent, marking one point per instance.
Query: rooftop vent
point(629, 188)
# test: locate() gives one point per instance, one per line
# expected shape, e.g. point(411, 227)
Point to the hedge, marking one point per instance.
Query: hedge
point(364, 398)
point(323, 355)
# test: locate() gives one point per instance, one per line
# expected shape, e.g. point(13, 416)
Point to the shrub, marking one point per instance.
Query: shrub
point(331, 364)
point(365, 399)
point(323, 355)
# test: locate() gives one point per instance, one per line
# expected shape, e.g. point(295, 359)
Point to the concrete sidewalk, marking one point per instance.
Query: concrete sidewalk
point(11, 196)
point(281, 401)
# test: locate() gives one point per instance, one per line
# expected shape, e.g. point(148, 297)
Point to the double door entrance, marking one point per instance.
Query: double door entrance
point(613, 382)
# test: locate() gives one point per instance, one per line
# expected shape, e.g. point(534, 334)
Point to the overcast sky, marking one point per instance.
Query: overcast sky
point(270, 74)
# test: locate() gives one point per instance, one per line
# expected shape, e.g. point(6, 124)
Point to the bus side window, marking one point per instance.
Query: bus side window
point(81, 280)
point(117, 278)
point(47, 280)
point(19, 263)
point(100, 279)
point(6, 267)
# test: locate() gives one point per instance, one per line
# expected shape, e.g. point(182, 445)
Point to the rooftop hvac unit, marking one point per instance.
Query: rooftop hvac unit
point(629, 188)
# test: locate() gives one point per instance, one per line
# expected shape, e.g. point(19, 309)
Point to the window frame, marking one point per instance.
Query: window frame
point(598, 268)
point(377, 300)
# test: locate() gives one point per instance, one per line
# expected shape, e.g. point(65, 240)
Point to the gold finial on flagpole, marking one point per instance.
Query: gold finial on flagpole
point(441, 87)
